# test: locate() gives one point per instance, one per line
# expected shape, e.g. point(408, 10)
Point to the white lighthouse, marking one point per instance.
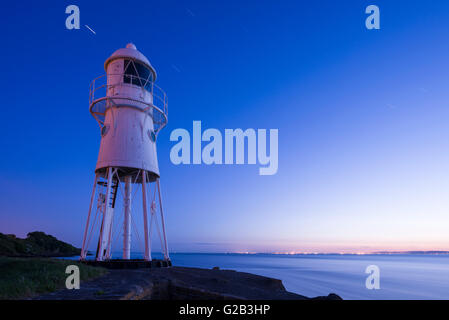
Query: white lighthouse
point(131, 110)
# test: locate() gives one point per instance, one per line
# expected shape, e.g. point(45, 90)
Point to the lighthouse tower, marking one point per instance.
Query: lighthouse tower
point(131, 110)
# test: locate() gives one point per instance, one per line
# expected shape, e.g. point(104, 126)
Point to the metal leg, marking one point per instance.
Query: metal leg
point(147, 256)
point(166, 256)
point(110, 207)
point(83, 248)
point(127, 220)
point(107, 221)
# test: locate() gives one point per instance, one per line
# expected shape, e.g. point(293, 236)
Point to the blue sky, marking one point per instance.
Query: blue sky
point(362, 118)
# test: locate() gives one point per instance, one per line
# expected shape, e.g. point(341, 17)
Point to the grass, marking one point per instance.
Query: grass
point(22, 278)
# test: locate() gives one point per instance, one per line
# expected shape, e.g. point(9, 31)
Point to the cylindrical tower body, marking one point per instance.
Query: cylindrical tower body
point(128, 135)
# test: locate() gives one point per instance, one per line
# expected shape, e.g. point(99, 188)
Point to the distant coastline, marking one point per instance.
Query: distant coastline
point(429, 252)
point(39, 244)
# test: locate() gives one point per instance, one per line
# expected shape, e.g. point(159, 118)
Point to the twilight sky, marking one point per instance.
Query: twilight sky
point(362, 117)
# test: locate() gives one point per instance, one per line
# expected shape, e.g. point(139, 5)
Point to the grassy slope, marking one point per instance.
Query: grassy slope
point(21, 278)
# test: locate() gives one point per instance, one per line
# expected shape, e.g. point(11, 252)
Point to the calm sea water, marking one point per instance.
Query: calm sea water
point(401, 276)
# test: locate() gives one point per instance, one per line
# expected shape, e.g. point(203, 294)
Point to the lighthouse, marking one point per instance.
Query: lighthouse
point(130, 110)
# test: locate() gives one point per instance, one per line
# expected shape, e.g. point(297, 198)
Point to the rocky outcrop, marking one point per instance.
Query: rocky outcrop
point(179, 283)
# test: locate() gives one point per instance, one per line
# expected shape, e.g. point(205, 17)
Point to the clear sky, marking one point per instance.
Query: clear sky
point(362, 117)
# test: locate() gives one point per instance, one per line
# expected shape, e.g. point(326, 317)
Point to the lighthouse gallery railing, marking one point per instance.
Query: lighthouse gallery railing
point(99, 100)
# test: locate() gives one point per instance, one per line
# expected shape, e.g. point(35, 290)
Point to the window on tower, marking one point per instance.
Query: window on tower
point(138, 74)
point(130, 74)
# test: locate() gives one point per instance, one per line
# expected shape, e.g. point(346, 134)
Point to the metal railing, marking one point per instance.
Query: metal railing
point(99, 100)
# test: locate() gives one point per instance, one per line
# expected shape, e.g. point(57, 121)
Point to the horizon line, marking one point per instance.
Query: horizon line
point(417, 252)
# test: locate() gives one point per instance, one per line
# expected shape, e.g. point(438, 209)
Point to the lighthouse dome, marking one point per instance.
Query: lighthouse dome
point(130, 52)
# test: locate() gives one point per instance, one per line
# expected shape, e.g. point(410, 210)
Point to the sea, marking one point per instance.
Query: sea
point(401, 276)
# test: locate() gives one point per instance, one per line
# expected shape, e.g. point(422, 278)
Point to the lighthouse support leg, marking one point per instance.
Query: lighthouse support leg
point(127, 220)
point(166, 256)
point(147, 255)
point(106, 226)
point(83, 248)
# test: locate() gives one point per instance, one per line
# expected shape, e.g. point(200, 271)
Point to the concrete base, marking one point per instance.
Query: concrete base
point(129, 264)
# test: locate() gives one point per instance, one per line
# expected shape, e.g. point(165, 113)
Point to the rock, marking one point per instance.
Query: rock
point(333, 296)
point(181, 283)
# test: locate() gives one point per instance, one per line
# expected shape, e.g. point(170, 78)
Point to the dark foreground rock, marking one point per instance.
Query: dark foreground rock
point(179, 283)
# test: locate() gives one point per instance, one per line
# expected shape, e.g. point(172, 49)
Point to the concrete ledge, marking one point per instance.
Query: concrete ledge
point(180, 283)
point(129, 264)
